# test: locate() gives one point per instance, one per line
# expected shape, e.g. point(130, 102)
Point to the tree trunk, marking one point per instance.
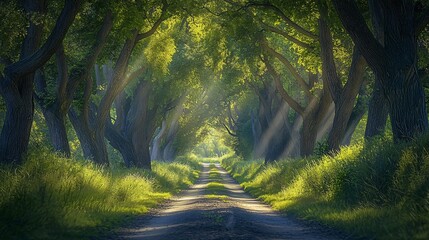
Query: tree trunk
point(57, 131)
point(344, 96)
point(278, 132)
point(82, 131)
point(264, 117)
point(377, 108)
point(120, 143)
point(346, 101)
point(403, 89)
point(406, 102)
point(316, 113)
point(377, 112)
point(15, 135)
point(308, 136)
point(16, 130)
point(358, 112)
point(395, 63)
point(99, 148)
point(155, 153)
point(141, 146)
point(17, 85)
point(168, 153)
point(256, 134)
point(140, 125)
point(54, 117)
point(93, 144)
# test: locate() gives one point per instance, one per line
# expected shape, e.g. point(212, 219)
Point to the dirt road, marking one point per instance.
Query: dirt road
point(229, 213)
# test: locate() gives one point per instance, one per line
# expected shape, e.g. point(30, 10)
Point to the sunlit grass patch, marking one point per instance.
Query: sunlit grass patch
point(51, 197)
point(223, 198)
point(372, 189)
point(214, 175)
point(215, 186)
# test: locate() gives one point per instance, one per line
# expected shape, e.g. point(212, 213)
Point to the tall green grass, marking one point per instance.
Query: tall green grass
point(50, 197)
point(371, 189)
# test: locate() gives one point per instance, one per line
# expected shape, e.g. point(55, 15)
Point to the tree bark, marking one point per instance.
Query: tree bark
point(377, 112)
point(17, 93)
point(140, 126)
point(83, 133)
point(312, 119)
point(358, 112)
point(169, 151)
point(344, 105)
point(312, 114)
point(54, 116)
point(377, 108)
point(57, 132)
point(84, 123)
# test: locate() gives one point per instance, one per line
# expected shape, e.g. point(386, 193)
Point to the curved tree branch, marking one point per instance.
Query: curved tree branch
point(286, 35)
point(78, 75)
point(290, 67)
point(292, 103)
point(285, 18)
point(41, 56)
point(229, 131)
point(155, 26)
point(358, 30)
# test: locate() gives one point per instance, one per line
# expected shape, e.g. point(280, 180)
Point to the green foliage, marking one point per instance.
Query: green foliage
point(322, 148)
point(212, 145)
point(50, 197)
point(363, 187)
point(159, 52)
point(13, 24)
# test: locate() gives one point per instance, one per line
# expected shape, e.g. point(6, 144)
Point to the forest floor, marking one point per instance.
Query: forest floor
point(216, 207)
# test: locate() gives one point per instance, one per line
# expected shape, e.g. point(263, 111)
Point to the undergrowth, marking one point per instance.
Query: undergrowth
point(50, 197)
point(374, 189)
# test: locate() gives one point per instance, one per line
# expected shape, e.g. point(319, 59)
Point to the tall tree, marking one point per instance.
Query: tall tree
point(55, 111)
point(377, 107)
point(343, 96)
point(395, 63)
point(92, 134)
point(16, 81)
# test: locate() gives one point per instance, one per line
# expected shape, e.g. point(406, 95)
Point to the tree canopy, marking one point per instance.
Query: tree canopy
point(152, 77)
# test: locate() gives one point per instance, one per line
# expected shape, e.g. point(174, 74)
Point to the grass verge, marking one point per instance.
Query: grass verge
point(50, 197)
point(372, 190)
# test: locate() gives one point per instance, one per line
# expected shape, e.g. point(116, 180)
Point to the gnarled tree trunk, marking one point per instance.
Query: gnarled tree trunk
point(344, 96)
point(395, 63)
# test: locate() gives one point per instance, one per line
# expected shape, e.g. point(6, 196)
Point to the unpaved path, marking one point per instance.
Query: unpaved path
point(192, 215)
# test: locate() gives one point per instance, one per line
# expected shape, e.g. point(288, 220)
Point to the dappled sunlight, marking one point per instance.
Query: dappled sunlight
point(275, 126)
